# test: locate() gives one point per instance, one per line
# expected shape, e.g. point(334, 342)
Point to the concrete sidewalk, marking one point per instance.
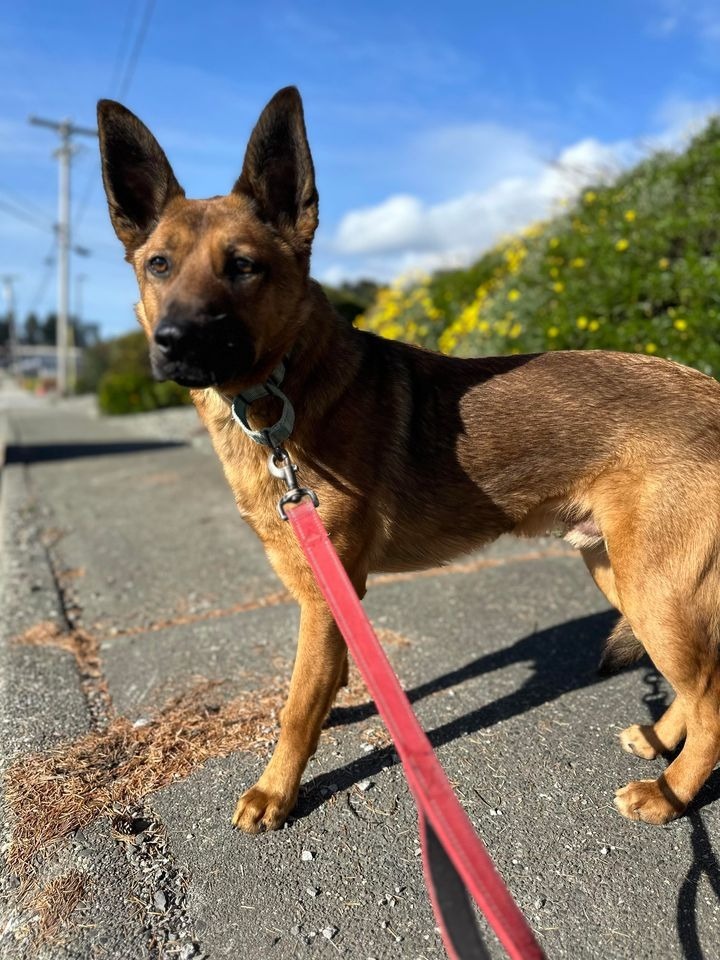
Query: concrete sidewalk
point(146, 649)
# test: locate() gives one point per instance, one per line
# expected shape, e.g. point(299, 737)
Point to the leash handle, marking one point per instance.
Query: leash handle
point(451, 847)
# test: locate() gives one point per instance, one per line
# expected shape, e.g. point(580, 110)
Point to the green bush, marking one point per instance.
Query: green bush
point(135, 392)
point(630, 266)
point(124, 380)
point(351, 299)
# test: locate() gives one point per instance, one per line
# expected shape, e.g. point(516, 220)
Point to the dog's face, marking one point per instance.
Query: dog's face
point(222, 281)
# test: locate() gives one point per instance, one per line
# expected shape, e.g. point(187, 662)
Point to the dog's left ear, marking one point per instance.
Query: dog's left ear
point(278, 172)
point(139, 182)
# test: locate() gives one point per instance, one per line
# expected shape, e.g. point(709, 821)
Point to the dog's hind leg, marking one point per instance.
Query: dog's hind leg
point(682, 649)
point(649, 740)
point(598, 563)
point(320, 670)
point(622, 646)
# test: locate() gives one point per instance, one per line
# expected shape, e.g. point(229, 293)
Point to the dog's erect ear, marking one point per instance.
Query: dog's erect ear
point(138, 179)
point(278, 172)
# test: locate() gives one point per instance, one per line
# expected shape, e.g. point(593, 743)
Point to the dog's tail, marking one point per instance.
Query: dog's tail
point(622, 648)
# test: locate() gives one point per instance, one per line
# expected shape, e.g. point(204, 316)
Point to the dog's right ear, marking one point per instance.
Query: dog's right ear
point(278, 174)
point(139, 182)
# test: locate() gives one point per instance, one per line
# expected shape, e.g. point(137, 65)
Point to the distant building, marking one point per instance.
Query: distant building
point(39, 361)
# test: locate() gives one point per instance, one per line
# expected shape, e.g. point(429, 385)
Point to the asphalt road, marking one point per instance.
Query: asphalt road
point(145, 648)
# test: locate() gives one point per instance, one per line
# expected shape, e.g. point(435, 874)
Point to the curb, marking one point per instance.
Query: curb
point(42, 706)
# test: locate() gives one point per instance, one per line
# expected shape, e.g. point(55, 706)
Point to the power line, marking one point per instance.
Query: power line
point(15, 210)
point(124, 84)
point(137, 48)
point(122, 44)
point(26, 204)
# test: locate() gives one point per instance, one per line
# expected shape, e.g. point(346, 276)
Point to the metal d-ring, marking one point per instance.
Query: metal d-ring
point(279, 463)
point(271, 436)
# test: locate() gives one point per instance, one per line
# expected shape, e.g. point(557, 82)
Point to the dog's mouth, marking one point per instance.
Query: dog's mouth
point(201, 353)
point(187, 374)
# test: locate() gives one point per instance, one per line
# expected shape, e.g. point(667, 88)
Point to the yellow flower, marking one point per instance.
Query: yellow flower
point(578, 262)
point(513, 295)
point(552, 332)
point(448, 341)
point(558, 286)
point(502, 327)
point(630, 215)
point(650, 348)
point(534, 230)
point(393, 331)
point(515, 331)
point(663, 263)
point(590, 197)
point(514, 255)
point(483, 326)
point(554, 242)
point(581, 323)
point(622, 245)
point(594, 325)
point(680, 324)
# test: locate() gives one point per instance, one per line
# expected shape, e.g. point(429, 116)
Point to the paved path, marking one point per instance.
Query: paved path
point(146, 648)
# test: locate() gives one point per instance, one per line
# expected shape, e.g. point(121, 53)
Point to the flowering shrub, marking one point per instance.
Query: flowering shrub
point(630, 266)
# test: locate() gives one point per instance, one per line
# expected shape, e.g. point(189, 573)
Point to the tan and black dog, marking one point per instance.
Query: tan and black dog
point(418, 457)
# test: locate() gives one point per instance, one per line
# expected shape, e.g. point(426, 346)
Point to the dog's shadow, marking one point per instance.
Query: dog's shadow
point(704, 860)
point(564, 658)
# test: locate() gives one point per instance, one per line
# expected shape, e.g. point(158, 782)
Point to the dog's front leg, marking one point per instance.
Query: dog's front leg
point(320, 669)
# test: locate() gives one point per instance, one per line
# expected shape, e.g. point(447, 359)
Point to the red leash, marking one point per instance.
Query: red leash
point(454, 857)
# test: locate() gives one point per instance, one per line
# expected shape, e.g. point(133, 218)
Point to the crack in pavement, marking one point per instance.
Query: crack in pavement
point(160, 885)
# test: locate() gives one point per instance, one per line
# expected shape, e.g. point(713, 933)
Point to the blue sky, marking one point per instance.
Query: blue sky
point(435, 127)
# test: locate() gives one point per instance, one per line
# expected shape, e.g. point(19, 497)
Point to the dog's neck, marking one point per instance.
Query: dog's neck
point(322, 360)
point(324, 356)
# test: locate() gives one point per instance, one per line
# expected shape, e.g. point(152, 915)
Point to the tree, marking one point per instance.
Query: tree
point(30, 334)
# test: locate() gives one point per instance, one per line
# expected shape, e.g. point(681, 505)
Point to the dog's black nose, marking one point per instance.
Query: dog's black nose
point(169, 336)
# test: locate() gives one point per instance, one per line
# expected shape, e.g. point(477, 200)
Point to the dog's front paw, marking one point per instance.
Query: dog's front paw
point(647, 800)
point(262, 809)
point(641, 741)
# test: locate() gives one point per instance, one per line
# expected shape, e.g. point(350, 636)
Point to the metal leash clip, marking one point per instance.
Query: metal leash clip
point(281, 466)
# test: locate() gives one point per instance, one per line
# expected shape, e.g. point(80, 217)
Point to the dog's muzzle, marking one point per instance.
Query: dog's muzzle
point(199, 350)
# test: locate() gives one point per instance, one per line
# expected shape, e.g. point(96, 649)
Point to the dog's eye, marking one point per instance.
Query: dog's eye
point(244, 267)
point(159, 266)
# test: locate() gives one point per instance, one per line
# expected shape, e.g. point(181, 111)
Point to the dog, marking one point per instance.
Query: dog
point(418, 457)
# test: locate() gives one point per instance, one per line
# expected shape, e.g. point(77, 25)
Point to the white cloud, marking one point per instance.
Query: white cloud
point(472, 156)
point(679, 119)
point(397, 222)
point(406, 232)
point(699, 18)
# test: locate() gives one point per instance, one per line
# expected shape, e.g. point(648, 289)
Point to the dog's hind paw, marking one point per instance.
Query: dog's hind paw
point(259, 809)
point(648, 800)
point(641, 741)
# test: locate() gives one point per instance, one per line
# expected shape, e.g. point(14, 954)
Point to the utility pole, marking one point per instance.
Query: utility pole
point(66, 130)
point(80, 279)
point(8, 281)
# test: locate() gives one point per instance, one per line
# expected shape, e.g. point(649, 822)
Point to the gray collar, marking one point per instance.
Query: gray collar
point(276, 434)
